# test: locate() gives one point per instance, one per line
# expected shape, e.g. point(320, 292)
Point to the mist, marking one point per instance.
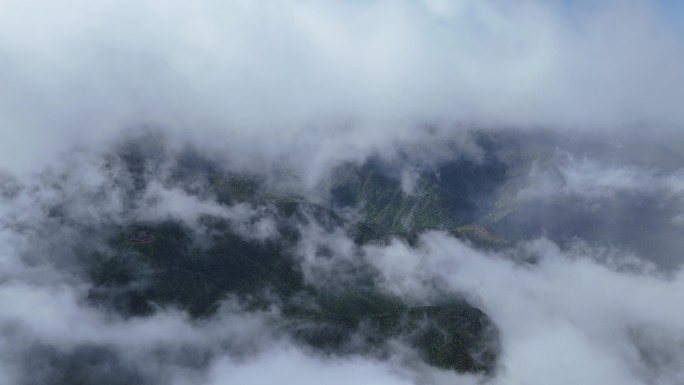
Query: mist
point(217, 192)
point(309, 84)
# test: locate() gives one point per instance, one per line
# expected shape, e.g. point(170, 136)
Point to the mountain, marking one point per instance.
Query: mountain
point(155, 264)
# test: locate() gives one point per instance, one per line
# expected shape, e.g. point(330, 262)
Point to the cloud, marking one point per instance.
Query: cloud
point(298, 367)
point(557, 309)
point(611, 202)
point(311, 83)
point(566, 313)
point(593, 179)
point(114, 112)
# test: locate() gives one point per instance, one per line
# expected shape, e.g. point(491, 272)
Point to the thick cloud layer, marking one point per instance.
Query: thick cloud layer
point(565, 319)
point(121, 113)
point(308, 83)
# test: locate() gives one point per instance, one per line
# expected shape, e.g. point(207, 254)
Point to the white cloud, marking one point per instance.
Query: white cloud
point(300, 87)
point(294, 366)
point(565, 319)
point(310, 83)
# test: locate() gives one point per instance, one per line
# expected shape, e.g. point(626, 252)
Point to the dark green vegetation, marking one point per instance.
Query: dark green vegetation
point(81, 365)
point(388, 210)
point(449, 336)
point(454, 194)
point(479, 236)
point(157, 265)
point(173, 270)
point(166, 264)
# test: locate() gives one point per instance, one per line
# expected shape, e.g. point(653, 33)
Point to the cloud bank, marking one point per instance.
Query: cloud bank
point(309, 83)
point(131, 113)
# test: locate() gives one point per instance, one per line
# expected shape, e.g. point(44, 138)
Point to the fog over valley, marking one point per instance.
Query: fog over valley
point(334, 192)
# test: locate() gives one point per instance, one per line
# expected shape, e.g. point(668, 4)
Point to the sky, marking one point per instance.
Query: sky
point(674, 11)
